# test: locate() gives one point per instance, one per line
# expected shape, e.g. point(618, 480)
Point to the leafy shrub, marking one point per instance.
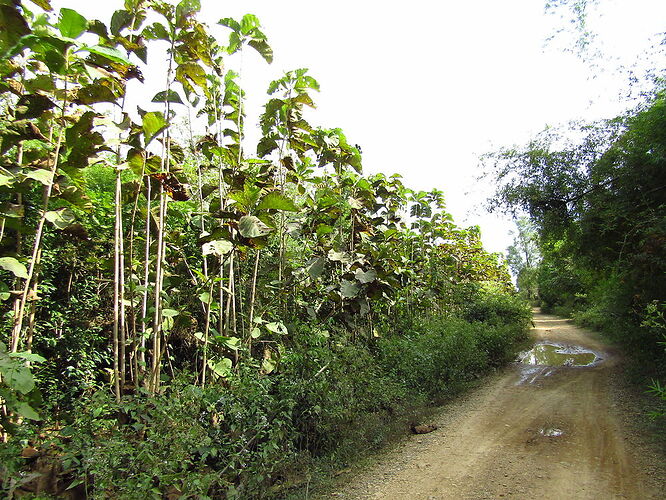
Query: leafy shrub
point(497, 308)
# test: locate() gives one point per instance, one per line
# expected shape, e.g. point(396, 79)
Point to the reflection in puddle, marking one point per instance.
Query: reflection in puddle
point(551, 432)
point(557, 355)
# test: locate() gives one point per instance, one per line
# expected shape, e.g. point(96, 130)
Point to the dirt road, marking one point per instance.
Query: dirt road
point(532, 433)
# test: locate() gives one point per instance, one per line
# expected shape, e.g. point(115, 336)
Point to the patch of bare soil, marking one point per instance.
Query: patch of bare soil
point(532, 432)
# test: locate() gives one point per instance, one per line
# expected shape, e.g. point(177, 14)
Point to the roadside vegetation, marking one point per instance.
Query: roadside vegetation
point(183, 317)
point(595, 195)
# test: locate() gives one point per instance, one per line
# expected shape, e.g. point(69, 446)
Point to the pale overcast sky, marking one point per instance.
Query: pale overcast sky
point(424, 87)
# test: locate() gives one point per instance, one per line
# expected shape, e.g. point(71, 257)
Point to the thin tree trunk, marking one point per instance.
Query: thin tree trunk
point(252, 300)
point(37, 245)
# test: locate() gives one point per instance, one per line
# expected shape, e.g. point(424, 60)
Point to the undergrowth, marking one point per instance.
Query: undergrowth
point(328, 403)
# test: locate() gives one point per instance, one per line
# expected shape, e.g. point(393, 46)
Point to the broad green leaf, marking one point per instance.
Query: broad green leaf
point(277, 327)
point(13, 27)
point(250, 226)
point(268, 365)
point(323, 229)
point(255, 333)
point(343, 257)
point(232, 343)
point(263, 48)
point(14, 266)
point(167, 323)
point(17, 376)
point(156, 31)
point(186, 9)
point(60, 218)
point(32, 106)
point(315, 266)
point(222, 368)
point(248, 23)
point(110, 53)
point(12, 210)
point(153, 124)
point(71, 24)
point(230, 23)
point(28, 356)
point(40, 175)
point(43, 4)
point(354, 203)
point(6, 180)
point(98, 28)
point(167, 96)
point(25, 410)
point(205, 297)
point(169, 313)
point(102, 90)
point(349, 289)
point(4, 291)
point(365, 277)
point(277, 201)
point(190, 72)
point(120, 20)
point(217, 247)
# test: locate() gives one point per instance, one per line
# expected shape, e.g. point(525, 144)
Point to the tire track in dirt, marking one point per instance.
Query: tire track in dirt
point(495, 442)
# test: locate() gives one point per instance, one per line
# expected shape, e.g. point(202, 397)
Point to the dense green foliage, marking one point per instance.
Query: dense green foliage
point(599, 203)
point(195, 318)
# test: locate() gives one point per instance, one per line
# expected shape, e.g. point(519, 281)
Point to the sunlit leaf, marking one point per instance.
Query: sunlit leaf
point(71, 24)
point(169, 313)
point(230, 23)
point(252, 227)
point(153, 124)
point(189, 73)
point(222, 368)
point(263, 48)
point(217, 247)
point(110, 53)
point(16, 375)
point(277, 327)
point(186, 9)
point(365, 277)
point(60, 218)
point(14, 266)
point(156, 31)
point(40, 175)
point(268, 364)
point(343, 257)
point(43, 4)
point(232, 343)
point(28, 356)
point(277, 201)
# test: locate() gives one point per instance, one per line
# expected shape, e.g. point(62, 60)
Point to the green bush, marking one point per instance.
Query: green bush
point(497, 308)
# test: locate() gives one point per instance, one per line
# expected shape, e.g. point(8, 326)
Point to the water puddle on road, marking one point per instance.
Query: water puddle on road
point(548, 354)
point(551, 432)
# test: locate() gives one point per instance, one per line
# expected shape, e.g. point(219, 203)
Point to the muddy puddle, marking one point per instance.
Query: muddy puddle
point(544, 358)
point(551, 354)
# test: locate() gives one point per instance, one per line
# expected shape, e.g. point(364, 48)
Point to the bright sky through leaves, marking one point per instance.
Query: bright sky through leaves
point(425, 87)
